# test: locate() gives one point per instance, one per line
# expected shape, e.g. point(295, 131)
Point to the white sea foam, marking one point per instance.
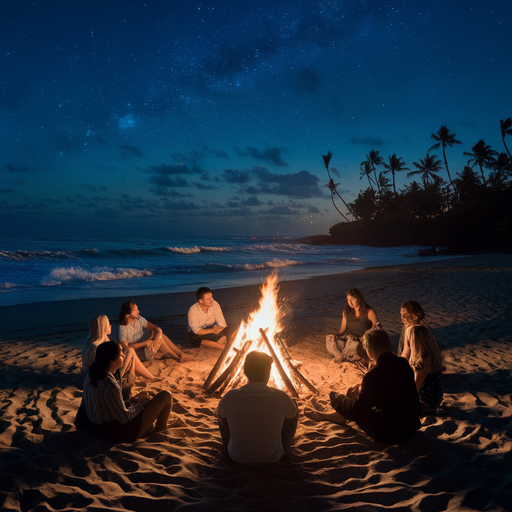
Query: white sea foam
point(195, 250)
point(275, 263)
point(78, 274)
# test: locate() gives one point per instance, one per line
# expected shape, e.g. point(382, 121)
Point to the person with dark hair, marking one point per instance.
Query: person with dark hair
point(257, 423)
point(357, 318)
point(102, 401)
point(206, 324)
point(145, 338)
point(427, 363)
point(99, 331)
point(412, 314)
point(386, 404)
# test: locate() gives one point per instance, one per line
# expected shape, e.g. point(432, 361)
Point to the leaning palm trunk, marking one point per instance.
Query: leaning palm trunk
point(332, 187)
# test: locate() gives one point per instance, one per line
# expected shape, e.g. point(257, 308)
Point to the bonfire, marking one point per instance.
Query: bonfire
point(260, 332)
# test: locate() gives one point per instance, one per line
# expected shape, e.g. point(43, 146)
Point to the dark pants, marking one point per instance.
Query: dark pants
point(195, 339)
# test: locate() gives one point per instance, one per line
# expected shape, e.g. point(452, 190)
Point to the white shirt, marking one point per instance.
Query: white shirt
point(255, 414)
point(198, 319)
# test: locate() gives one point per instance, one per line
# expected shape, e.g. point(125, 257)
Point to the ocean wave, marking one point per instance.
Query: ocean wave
point(77, 274)
point(32, 255)
point(10, 287)
point(196, 249)
point(275, 263)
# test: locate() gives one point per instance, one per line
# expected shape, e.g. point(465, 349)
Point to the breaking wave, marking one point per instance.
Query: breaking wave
point(77, 274)
point(196, 249)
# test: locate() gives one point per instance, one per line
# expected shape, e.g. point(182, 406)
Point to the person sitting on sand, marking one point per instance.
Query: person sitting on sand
point(99, 330)
point(145, 338)
point(424, 356)
point(386, 404)
point(412, 314)
point(257, 423)
point(357, 318)
point(102, 401)
point(206, 324)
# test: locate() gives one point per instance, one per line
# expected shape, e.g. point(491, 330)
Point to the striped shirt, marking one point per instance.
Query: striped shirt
point(105, 403)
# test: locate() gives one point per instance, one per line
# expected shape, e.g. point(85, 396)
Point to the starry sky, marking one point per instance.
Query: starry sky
point(211, 118)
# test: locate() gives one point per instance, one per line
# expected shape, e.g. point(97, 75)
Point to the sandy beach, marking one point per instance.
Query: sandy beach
point(460, 460)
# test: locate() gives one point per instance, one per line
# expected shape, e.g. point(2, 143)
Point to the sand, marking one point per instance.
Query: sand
point(461, 459)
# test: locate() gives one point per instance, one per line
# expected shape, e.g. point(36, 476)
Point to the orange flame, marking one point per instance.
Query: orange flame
point(268, 318)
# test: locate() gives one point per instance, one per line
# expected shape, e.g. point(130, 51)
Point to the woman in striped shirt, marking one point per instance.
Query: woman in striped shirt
point(103, 401)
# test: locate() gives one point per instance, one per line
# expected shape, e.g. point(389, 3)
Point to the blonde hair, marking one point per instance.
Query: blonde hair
point(98, 328)
point(424, 350)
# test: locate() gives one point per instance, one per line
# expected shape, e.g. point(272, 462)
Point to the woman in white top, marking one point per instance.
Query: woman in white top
point(103, 405)
point(99, 330)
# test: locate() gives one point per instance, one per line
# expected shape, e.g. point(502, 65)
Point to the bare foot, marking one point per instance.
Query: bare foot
point(185, 357)
point(333, 417)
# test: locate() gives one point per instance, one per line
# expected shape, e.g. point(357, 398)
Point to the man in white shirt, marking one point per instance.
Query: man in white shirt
point(257, 423)
point(206, 324)
point(145, 338)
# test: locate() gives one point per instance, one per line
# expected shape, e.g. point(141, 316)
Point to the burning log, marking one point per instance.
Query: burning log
point(288, 383)
point(228, 374)
point(282, 344)
point(218, 365)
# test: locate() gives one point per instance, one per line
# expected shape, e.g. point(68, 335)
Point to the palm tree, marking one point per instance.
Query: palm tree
point(444, 138)
point(374, 159)
point(506, 129)
point(366, 170)
point(395, 165)
point(502, 168)
point(383, 182)
point(468, 184)
point(333, 186)
point(427, 167)
point(482, 155)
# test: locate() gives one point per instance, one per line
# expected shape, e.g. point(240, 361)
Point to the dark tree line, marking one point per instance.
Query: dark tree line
point(469, 209)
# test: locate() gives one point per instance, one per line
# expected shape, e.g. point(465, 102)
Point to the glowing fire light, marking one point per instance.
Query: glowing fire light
point(268, 318)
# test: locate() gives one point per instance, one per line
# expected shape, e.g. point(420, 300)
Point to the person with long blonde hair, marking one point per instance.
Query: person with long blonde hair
point(99, 331)
point(427, 363)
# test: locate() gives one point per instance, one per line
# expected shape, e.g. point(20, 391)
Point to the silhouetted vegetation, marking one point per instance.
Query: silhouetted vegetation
point(472, 210)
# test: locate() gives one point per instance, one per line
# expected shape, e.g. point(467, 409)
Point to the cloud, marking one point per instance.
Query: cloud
point(17, 168)
point(280, 210)
point(235, 176)
point(270, 155)
point(168, 181)
point(367, 141)
point(90, 188)
point(167, 170)
point(252, 201)
point(168, 175)
point(299, 185)
point(128, 151)
point(180, 205)
point(194, 157)
point(6, 190)
point(200, 186)
point(165, 192)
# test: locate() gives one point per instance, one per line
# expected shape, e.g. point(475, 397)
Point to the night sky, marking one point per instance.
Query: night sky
point(183, 117)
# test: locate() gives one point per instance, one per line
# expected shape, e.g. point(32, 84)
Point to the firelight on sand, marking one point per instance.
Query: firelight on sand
point(259, 332)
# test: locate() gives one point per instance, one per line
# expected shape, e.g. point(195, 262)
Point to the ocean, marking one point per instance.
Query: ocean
point(42, 269)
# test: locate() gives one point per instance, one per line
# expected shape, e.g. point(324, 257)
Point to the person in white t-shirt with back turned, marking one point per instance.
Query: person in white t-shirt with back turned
point(257, 423)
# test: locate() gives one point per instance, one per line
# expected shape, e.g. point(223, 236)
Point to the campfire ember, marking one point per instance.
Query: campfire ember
point(259, 332)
